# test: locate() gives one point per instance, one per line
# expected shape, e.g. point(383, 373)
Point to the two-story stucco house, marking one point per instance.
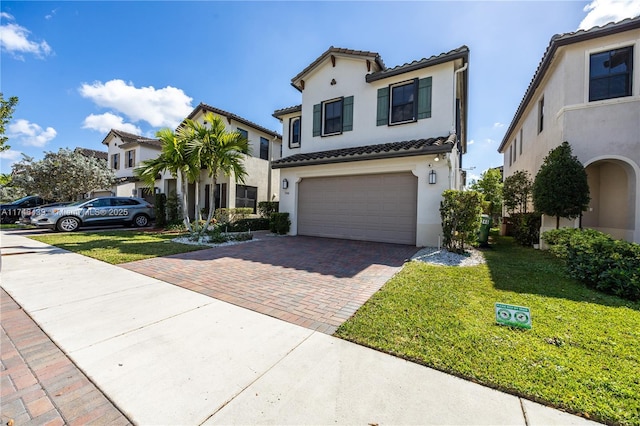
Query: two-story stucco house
point(369, 151)
point(127, 150)
point(586, 91)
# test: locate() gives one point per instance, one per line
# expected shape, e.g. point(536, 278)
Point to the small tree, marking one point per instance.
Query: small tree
point(461, 214)
point(516, 192)
point(560, 188)
point(490, 186)
point(6, 112)
point(62, 176)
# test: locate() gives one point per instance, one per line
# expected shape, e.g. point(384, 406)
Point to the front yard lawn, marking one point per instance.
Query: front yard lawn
point(118, 246)
point(582, 355)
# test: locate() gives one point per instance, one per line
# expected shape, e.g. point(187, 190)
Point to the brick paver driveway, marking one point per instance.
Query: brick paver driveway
point(317, 283)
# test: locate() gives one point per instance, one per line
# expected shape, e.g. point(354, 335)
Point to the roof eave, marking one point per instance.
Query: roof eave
point(381, 75)
point(440, 149)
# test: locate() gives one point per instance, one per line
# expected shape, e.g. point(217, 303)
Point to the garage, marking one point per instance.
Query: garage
point(380, 207)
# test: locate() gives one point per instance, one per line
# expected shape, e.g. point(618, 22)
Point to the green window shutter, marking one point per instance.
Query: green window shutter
point(317, 119)
point(347, 114)
point(424, 98)
point(383, 106)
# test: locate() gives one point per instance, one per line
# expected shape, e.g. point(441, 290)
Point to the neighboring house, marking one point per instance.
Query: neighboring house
point(127, 150)
point(100, 155)
point(368, 153)
point(260, 183)
point(586, 91)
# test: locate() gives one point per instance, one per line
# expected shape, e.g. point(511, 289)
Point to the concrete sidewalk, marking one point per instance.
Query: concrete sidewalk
point(168, 356)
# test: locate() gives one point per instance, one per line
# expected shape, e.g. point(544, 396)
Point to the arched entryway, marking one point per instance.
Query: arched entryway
point(613, 185)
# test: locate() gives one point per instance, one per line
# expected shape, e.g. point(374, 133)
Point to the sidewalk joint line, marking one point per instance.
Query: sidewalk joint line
point(224, 404)
point(524, 412)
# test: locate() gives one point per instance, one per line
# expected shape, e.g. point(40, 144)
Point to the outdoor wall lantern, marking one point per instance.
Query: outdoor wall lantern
point(432, 177)
point(285, 184)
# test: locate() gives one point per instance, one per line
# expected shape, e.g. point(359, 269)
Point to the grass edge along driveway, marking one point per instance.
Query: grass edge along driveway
point(117, 247)
point(582, 354)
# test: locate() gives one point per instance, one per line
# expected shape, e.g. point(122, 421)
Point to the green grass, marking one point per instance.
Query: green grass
point(582, 355)
point(118, 246)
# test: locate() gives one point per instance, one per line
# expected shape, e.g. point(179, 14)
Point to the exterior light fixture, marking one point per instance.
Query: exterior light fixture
point(432, 177)
point(285, 184)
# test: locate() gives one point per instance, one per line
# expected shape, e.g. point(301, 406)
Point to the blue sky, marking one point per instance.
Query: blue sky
point(81, 68)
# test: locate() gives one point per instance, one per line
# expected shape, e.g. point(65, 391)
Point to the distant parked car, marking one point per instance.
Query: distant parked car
point(11, 212)
point(99, 211)
point(25, 215)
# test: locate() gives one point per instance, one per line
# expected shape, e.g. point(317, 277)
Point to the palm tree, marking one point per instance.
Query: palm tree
point(211, 146)
point(175, 159)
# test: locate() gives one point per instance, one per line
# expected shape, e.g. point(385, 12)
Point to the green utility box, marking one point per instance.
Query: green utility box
point(485, 227)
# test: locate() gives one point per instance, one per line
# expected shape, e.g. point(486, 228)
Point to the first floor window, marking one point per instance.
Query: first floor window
point(403, 102)
point(294, 132)
point(610, 74)
point(246, 196)
point(130, 158)
point(264, 148)
point(332, 117)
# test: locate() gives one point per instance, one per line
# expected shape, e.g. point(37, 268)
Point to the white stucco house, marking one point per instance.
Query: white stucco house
point(127, 150)
point(586, 91)
point(369, 151)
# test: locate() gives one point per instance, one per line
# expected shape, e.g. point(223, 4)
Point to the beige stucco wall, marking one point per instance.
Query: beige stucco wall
point(598, 131)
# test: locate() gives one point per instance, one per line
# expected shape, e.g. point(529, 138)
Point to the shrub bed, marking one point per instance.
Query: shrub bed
point(598, 260)
point(279, 223)
point(526, 228)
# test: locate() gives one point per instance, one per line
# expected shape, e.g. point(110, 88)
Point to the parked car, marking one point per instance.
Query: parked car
point(98, 211)
point(10, 213)
point(25, 215)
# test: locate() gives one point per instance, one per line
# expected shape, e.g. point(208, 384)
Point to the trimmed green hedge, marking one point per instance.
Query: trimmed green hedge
point(265, 208)
point(248, 224)
point(598, 260)
point(526, 228)
point(279, 223)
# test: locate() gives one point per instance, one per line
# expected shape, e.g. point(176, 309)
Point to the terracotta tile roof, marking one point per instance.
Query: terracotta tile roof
point(460, 52)
point(342, 51)
point(556, 42)
point(410, 148)
point(283, 111)
point(101, 155)
point(129, 138)
point(232, 116)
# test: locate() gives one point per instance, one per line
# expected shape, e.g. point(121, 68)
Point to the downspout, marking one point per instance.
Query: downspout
point(453, 124)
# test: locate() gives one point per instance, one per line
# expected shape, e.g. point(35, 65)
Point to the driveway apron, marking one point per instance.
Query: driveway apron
point(317, 283)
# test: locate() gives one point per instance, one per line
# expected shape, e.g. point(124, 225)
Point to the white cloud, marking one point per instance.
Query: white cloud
point(498, 125)
point(601, 12)
point(107, 121)
point(489, 141)
point(51, 15)
point(11, 155)
point(471, 142)
point(31, 134)
point(165, 107)
point(14, 39)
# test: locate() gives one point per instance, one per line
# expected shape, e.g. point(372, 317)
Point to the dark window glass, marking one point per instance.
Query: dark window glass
point(610, 74)
point(125, 201)
point(264, 148)
point(403, 102)
point(294, 132)
point(246, 196)
point(333, 117)
point(244, 133)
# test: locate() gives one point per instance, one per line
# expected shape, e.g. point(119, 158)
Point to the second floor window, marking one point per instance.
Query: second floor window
point(294, 132)
point(610, 74)
point(332, 117)
point(403, 97)
point(404, 102)
point(115, 161)
point(244, 133)
point(540, 115)
point(130, 158)
point(264, 148)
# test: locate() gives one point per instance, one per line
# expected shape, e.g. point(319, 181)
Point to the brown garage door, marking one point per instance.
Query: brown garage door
point(368, 207)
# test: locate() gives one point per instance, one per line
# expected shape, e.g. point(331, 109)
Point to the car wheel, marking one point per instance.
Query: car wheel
point(141, 220)
point(68, 224)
